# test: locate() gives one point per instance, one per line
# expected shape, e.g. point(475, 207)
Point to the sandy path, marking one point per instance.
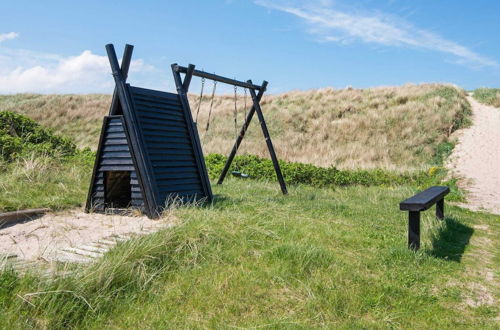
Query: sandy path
point(44, 238)
point(476, 158)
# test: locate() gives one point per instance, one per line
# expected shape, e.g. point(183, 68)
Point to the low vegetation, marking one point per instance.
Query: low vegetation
point(38, 168)
point(254, 258)
point(488, 96)
point(394, 128)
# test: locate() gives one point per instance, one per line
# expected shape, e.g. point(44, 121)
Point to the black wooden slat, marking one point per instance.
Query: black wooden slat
point(166, 195)
point(183, 175)
point(174, 164)
point(166, 157)
point(162, 127)
point(114, 148)
point(136, 195)
point(165, 142)
point(181, 181)
point(162, 170)
point(167, 134)
point(109, 142)
point(115, 136)
point(116, 168)
point(148, 107)
point(116, 154)
point(146, 115)
point(165, 122)
point(115, 129)
point(153, 93)
point(116, 161)
point(168, 151)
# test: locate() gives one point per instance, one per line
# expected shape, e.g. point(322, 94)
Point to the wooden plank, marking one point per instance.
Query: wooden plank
point(150, 107)
point(163, 141)
point(107, 168)
point(168, 157)
point(114, 136)
point(182, 175)
point(153, 93)
point(114, 129)
point(169, 151)
point(180, 181)
point(146, 115)
point(116, 161)
point(425, 199)
point(109, 142)
point(160, 170)
point(174, 164)
point(113, 148)
point(9, 218)
point(116, 154)
point(162, 127)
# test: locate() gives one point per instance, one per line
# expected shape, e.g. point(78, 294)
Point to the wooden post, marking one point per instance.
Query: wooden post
point(193, 132)
point(240, 136)
point(187, 78)
point(126, 60)
point(440, 209)
point(263, 125)
point(414, 230)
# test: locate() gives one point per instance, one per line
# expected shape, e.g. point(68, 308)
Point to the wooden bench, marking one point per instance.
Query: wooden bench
point(421, 202)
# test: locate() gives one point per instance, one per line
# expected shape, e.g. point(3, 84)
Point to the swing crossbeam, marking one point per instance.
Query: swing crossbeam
point(190, 71)
point(182, 89)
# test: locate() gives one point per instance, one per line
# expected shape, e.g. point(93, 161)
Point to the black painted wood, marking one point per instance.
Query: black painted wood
point(421, 202)
point(425, 199)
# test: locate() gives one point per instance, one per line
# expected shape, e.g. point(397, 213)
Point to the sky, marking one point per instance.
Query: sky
point(58, 46)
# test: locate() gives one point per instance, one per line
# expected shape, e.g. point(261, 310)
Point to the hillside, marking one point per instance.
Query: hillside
point(397, 128)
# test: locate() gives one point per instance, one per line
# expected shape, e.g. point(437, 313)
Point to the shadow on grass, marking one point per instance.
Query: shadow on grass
point(450, 240)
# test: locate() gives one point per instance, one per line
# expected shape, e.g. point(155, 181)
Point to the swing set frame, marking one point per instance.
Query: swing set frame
point(256, 93)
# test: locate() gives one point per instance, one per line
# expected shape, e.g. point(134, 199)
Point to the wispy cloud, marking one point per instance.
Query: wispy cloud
point(29, 71)
point(7, 36)
point(332, 25)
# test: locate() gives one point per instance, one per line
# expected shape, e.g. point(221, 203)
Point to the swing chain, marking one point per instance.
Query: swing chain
point(211, 105)
point(235, 111)
point(201, 98)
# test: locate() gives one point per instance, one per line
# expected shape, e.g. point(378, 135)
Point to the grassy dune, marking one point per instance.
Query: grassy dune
point(255, 258)
point(397, 128)
point(488, 96)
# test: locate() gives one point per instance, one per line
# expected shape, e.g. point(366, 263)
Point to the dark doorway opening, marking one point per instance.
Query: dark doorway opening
point(118, 193)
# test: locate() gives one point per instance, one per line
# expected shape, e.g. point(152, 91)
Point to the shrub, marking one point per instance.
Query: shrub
point(19, 135)
point(299, 173)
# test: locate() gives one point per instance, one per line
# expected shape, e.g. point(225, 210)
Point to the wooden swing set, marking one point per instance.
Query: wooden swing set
point(256, 92)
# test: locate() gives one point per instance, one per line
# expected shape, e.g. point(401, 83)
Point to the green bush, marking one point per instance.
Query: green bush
point(299, 173)
point(19, 135)
point(489, 96)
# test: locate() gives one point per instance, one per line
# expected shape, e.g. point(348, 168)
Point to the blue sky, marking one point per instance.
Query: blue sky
point(58, 46)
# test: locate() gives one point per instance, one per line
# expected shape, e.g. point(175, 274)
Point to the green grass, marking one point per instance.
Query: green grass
point(488, 96)
point(318, 257)
point(42, 181)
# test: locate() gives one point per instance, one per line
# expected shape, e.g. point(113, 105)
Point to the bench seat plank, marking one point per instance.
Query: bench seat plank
point(424, 200)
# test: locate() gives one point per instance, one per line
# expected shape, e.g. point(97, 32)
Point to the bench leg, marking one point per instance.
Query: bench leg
point(414, 230)
point(440, 209)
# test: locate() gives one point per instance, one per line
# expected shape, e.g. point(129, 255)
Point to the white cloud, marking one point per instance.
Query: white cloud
point(8, 36)
point(340, 26)
point(27, 71)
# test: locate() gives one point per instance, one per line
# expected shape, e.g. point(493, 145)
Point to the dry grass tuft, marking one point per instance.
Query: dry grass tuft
point(395, 128)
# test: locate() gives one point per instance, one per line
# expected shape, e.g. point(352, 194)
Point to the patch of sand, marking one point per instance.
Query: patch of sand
point(476, 158)
point(42, 238)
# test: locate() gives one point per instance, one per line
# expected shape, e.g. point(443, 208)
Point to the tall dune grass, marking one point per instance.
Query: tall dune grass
point(396, 128)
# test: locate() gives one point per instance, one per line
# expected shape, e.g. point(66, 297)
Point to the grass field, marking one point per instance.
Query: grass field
point(488, 96)
point(255, 258)
point(326, 255)
point(396, 128)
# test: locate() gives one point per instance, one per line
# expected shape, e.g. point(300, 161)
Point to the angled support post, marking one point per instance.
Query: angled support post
point(126, 60)
point(187, 77)
point(241, 136)
point(269, 143)
point(136, 142)
point(193, 131)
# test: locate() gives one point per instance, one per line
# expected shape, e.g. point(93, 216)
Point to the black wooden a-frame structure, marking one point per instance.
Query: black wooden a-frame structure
point(149, 152)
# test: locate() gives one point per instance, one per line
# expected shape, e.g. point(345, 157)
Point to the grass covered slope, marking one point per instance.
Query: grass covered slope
point(488, 96)
point(39, 168)
point(396, 128)
point(255, 258)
